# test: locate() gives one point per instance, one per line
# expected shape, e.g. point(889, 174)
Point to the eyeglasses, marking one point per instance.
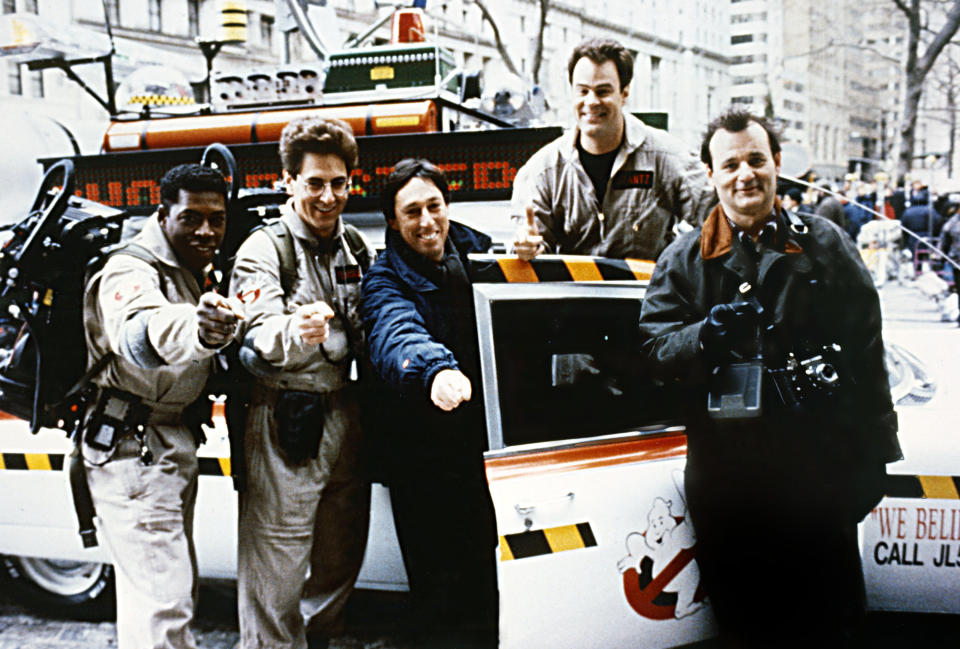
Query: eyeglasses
point(339, 186)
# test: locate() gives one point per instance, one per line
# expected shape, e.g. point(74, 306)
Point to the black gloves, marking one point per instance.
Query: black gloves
point(730, 332)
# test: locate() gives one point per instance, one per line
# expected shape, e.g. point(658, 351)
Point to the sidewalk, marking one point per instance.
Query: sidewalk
point(906, 306)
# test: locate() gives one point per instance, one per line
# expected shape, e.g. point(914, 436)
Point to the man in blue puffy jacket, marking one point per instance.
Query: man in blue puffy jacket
point(417, 308)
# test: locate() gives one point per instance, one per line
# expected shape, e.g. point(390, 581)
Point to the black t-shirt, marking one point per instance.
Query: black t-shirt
point(598, 167)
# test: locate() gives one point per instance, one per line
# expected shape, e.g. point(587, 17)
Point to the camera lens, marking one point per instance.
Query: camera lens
point(825, 374)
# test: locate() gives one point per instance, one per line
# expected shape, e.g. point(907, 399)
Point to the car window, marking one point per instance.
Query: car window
point(566, 368)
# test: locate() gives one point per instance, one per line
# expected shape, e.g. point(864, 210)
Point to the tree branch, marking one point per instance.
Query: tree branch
point(940, 41)
point(538, 50)
point(507, 60)
point(902, 7)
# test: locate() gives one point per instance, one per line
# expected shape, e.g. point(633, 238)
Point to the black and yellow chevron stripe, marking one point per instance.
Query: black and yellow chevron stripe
point(923, 486)
point(215, 466)
point(546, 541)
point(558, 268)
point(159, 100)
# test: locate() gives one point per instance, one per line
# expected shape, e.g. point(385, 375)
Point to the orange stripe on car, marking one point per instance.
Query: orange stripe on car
point(641, 268)
point(937, 486)
point(517, 270)
point(582, 269)
point(645, 449)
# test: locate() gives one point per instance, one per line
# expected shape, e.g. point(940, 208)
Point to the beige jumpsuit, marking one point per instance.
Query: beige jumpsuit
point(654, 183)
point(145, 512)
point(303, 528)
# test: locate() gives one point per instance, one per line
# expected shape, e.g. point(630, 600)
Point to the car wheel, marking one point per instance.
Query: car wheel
point(79, 589)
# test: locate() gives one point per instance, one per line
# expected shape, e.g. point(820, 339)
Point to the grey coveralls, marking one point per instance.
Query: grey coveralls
point(149, 322)
point(655, 182)
point(303, 528)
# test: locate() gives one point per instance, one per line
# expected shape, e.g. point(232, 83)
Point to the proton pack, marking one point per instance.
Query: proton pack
point(44, 264)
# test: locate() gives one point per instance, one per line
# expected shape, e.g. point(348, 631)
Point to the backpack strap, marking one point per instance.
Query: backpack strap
point(357, 246)
point(282, 240)
point(133, 250)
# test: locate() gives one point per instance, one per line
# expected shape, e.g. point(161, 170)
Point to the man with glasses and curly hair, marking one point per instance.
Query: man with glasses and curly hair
point(304, 514)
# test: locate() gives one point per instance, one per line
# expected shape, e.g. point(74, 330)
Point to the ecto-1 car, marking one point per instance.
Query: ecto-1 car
point(595, 545)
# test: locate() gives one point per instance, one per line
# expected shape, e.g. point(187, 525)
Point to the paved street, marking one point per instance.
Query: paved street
point(375, 621)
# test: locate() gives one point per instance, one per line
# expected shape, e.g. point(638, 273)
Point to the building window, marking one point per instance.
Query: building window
point(741, 38)
point(193, 17)
point(14, 79)
point(155, 16)
point(9, 6)
point(112, 8)
point(749, 58)
point(266, 31)
point(30, 6)
point(738, 19)
point(36, 83)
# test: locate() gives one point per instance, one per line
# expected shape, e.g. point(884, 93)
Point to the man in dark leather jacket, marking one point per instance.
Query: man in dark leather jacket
point(417, 309)
point(775, 493)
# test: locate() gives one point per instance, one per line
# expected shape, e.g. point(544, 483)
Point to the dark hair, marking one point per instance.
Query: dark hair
point(316, 135)
point(402, 173)
point(193, 178)
point(795, 194)
point(736, 120)
point(601, 50)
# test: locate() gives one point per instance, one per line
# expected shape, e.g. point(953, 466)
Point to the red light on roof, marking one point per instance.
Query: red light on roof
point(406, 26)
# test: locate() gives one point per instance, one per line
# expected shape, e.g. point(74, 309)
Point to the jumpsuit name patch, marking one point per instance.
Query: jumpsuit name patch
point(347, 274)
point(633, 180)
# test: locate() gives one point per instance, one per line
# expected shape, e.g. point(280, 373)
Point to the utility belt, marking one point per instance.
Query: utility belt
point(116, 415)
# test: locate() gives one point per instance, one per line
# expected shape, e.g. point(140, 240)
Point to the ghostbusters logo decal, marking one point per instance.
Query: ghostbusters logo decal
point(661, 581)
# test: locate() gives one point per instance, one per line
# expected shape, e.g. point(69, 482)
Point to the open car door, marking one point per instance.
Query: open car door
point(586, 474)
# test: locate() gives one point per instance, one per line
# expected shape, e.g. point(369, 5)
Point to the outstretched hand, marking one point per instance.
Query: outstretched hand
point(217, 318)
point(313, 322)
point(449, 389)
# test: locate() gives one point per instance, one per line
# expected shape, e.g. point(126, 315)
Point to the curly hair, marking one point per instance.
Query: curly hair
point(316, 135)
point(402, 173)
point(601, 50)
point(191, 177)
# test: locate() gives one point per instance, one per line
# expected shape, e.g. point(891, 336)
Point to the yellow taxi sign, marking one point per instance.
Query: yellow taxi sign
point(381, 73)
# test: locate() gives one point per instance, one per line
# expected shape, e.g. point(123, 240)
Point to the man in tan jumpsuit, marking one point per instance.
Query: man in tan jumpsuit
point(148, 315)
point(612, 186)
point(304, 515)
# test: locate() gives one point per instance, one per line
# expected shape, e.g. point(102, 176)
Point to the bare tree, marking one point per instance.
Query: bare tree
point(917, 66)
point(946, 80)
point(544, 6)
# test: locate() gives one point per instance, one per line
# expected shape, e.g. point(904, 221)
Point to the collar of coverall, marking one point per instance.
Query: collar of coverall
point(634, 133)
point(717, 234)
